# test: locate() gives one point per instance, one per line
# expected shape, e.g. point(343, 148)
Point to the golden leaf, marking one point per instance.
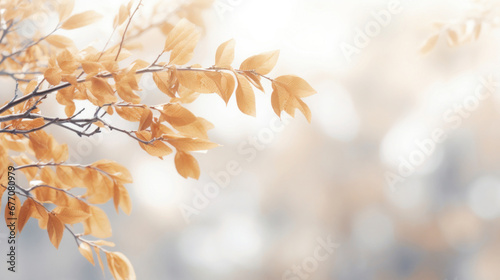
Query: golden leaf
point(70, 216)
point(53, 76)
point(156, 148)
point(91, 68)
point(186, 165)
point(97, 224)
point(261, 63)
point(245, 97)
point(146, 119)
point(97, 252)
point(80, 20)
point(55, 228)
point(197, 129)
point(190, 144)
point(132, 114)
point(254, 79)
point(225, 54)
point(164, 81)
point(24, 214)
point(122, 199)
point(126, 93)
point(59, 41)
point(86, 251)
point(181, 41)
point(115, 170)
point(287, 91)
point(119, 266)
point(177, 115)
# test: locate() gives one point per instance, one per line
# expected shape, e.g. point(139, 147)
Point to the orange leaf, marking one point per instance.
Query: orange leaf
point(70, 216)
point(25, 214)
point(181, 41)
point(131, 114)
point(122, 199)
point(55, 228)
point(59, 41)
point(119, 266)
point(156, 148)
point(225, 54)
point(53, 76)
point(80, 20)
point(86, 251)
point(163, 81)
point(245, 97)
point(262, 63)
point(190, 145)
point(97, 224)
point(115, 170)
point(186, 165)
point(177, 115)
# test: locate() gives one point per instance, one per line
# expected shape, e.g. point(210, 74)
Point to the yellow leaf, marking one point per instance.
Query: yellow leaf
point(190, 145)
point(25, 214)
point(164, 82)
point(53, 76)
point(80, 20)
point(91, 68)
point(198, 81)
point(122, 199)
point(132, 114)
point(254, 79)
point(225, 54)
point(182, 30)
point(261, 63)
point(177, 115)
point(39, 212)
point(245, 97)
point(127, 94)
point(186, 165)
point(67, 62)
point(101, 89)
point(115, 170)
point(59, 41)
point(55, 228)
point(70, 216)
point(146, 119)
point(119, 266)
point(97, 252)
point(156, 148)
point(183, 52)
point(197, 129)
point(181, 41)
point(287, 91)
point(86, 251)
point(97, 224)
point(296, 86)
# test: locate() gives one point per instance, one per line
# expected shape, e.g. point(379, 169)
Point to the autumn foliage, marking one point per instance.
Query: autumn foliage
point(50, 66)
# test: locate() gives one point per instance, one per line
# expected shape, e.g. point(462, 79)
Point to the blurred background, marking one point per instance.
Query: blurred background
point(356, 175)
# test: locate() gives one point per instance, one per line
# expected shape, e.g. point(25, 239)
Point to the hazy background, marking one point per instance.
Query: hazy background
point(311, 181)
